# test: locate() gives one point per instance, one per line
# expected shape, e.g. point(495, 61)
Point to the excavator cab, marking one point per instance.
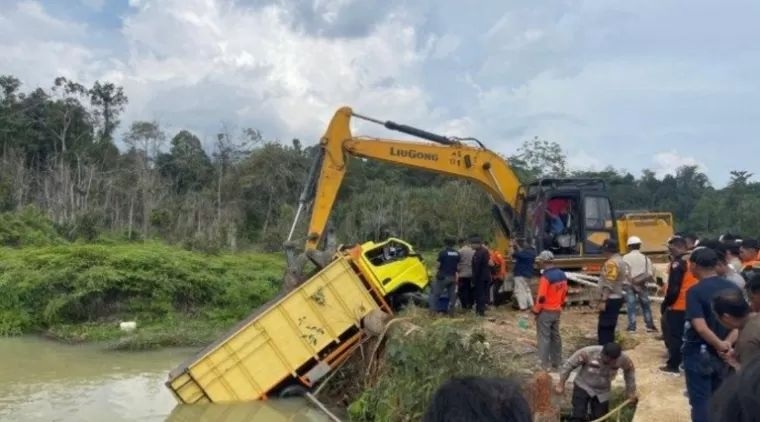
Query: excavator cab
point(570, 217)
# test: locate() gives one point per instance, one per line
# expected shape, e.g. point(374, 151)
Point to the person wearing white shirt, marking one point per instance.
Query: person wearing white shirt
point(641, 272)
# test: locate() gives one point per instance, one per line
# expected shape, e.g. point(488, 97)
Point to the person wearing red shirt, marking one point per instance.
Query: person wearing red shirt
point(550, 299)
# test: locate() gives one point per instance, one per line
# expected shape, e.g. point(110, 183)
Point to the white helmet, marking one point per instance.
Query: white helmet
point(633, 240)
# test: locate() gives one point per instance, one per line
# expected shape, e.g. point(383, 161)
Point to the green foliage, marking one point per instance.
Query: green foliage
point(415, 365)
point(29, 227)
point(78, 284)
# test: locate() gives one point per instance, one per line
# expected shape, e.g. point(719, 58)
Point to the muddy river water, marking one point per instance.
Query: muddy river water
point(41, 380)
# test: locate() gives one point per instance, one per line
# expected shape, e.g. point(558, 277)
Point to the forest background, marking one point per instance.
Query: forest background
point(60, 160)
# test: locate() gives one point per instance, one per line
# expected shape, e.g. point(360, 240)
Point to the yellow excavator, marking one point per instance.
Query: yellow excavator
point(570, 216)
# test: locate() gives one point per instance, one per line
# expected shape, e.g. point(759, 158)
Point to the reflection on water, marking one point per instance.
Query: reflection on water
point(41, 380)
point(291, 410)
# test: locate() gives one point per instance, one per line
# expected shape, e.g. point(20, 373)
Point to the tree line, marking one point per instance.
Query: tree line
point(240, 190)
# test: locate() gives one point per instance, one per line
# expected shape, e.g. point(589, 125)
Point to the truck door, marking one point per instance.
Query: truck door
point(598, 223)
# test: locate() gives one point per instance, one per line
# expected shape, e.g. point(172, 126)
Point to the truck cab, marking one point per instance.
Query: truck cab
point(399, 270)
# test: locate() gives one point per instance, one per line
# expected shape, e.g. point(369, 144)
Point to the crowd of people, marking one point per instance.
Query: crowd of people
point(709, 320)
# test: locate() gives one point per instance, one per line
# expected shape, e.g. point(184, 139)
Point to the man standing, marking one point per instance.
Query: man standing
point(498, 273)
point(445, 278)
point(614, 274)
point(724, 268)
point(524, 258)
point(706, 341)
point(753, 291)
point(748, 252)
point(550, 299)
point(642, 273)
point(591, 391)
point(735, 314)
point(464, 270)
point(481, 274)
point(680, 279)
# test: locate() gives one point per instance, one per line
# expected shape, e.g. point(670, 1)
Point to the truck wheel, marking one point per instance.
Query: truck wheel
point(294, 390)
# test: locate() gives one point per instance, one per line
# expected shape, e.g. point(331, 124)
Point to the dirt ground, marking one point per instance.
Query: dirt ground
point(660, 396)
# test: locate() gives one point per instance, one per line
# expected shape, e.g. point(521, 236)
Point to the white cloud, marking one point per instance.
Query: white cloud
point(668, 162)
point(596, 77)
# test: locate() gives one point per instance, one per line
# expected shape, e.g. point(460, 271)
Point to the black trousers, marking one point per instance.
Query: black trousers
point(481, 295)
point(587, 408)
point(674, 339)
point(664, 324)
point(465, 292)
point(608, 318)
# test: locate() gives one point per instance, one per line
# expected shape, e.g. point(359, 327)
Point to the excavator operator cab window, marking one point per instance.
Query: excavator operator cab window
point(562, 225)
point(388, 252)
point(599, 223)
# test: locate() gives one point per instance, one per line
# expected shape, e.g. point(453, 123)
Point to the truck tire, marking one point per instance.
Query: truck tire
point(293, 390)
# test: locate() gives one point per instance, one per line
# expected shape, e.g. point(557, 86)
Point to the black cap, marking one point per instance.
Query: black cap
point(750, 244)
point(610, 245)
point(704, 257)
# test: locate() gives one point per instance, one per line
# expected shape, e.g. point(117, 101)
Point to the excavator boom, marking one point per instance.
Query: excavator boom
point(444, 155)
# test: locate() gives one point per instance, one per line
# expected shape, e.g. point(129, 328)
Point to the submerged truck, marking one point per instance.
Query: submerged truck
point(288, 345)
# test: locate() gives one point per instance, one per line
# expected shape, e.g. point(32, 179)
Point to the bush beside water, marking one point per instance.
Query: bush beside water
point(79, 292)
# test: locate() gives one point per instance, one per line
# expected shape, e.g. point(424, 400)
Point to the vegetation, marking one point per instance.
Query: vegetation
point(239, 189)
point(78, 292)
point(415, 363)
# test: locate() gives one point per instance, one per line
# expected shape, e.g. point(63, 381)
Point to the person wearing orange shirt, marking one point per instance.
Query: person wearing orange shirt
point(680, 279)
point(498, 272)
point(748, 252)
point(550, 299)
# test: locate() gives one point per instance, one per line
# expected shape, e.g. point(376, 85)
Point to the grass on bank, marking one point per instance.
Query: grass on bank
point(80, 292)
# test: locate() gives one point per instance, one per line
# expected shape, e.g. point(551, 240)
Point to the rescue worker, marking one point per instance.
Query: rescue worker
point(705, 340)
point(680, 279)
point(550, 299)
point(748, 252)
point(464, 272)
point(498, 273)
point(614, 274)
point(641, 273)
point(481, 274)
point(599, 365)
point(524, 258)
point(445, 278)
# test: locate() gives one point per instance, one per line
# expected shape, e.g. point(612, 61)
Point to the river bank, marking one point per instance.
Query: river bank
point(78, 292)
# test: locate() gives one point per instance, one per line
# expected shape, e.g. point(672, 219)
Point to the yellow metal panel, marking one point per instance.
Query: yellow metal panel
point(275, 342)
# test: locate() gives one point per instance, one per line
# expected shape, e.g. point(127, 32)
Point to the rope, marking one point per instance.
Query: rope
point(322, 407)
point(614, 411)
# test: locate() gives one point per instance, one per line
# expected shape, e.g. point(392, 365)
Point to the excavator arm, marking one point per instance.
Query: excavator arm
point(449, 156)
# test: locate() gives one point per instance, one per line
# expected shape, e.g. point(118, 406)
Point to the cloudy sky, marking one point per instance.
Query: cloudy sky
point(633, 84)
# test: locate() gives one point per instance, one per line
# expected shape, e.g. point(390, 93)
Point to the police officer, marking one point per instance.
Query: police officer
point(614, 274)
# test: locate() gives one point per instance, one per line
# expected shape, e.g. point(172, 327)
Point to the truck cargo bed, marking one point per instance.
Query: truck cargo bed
point(286, 340)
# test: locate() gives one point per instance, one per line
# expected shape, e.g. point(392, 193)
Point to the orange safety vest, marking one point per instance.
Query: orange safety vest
point(500, 263)
point(688, 281)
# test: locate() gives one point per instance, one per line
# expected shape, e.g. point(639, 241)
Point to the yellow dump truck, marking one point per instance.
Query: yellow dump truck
point(289, 344)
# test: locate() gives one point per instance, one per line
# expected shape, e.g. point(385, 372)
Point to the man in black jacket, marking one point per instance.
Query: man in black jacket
point(481, 274)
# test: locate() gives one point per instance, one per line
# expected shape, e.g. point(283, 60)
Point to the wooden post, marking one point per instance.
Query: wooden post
point(541, 393)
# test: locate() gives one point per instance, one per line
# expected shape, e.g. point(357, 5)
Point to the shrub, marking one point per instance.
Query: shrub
point(414, 366)
point(29, 227)
point(84, 283)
